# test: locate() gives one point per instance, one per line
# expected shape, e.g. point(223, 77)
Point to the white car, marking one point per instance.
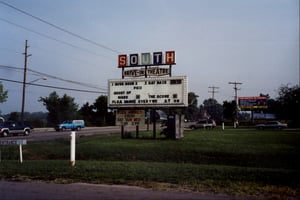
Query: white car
point(271, 125)
point(204, 123)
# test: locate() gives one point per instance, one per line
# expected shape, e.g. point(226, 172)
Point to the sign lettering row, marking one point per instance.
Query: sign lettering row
point(146, 59)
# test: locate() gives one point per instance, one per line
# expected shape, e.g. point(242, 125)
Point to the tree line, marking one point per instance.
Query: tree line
point(285, 107)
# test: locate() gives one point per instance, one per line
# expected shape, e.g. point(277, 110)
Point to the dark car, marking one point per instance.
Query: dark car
point(14, 128)
point(271, 125)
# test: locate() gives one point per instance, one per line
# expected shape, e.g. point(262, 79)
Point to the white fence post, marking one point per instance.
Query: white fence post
point(21, 153)
point(73, 143)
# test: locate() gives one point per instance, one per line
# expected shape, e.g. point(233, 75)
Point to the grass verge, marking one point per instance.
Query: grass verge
point(237, 162)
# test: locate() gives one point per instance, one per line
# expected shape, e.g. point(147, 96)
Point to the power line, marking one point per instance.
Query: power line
point(36, 73)
point(60, 28)
point(52, 38)
point(53, 87)
point(65, 80)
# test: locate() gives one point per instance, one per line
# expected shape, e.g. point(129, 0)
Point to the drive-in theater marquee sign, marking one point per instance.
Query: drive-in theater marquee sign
point(147, 85)
point(153, 90)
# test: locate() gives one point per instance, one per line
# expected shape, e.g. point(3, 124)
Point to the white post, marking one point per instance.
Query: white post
point(223, 127)
point(21, 153)
point(72, 157)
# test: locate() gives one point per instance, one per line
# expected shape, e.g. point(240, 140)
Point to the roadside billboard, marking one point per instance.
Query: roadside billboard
point(250, 103)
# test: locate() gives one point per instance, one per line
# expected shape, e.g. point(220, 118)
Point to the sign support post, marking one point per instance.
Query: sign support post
point(14, 142)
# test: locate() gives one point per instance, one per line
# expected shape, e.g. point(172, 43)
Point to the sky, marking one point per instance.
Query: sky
point(75, 44)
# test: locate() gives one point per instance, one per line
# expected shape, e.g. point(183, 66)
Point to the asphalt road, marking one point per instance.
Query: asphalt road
point(10, 190)
point(43, 134)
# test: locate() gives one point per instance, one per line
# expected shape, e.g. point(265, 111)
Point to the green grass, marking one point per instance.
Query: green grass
point(238, 161)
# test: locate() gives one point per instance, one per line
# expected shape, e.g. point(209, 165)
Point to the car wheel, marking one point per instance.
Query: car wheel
point(78, 128)
point(26, 132)
point(63, 129)
point(5, 134)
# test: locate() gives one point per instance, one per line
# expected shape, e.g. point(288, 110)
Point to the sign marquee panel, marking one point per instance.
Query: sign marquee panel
point(148, 92)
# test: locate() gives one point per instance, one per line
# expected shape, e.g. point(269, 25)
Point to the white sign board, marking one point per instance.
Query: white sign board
point(13, 142)
point(148, 92)
point(130, 117)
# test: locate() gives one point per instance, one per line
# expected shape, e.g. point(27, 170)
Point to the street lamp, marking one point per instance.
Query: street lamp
point(23, 96)
point(42, 78)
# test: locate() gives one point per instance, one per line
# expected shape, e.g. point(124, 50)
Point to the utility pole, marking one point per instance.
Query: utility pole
point(236, 101)
point(24, 80)
point(213, 91)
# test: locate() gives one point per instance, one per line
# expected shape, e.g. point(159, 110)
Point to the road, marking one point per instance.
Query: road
point(51, 191)
point(43, 134)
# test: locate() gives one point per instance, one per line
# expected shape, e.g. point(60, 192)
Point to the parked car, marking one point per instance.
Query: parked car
point(272, 125)
point(14, 128)
point(204, 123)
point(70, 124)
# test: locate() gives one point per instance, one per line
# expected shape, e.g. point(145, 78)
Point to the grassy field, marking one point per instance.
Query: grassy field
point(234, 161)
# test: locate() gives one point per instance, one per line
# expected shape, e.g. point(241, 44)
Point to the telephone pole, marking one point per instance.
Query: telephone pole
point(236, 101)
point(213, 91)
point(24, 80)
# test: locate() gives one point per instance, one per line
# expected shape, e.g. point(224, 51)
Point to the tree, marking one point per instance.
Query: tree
point(98, 113)
point(14, 116)
point(229, 110)
point(101, 109)
point(59, 109)
point(192, 109)
point(289, 104)
point(3, 94)
point(87, 113)
point(212, 109)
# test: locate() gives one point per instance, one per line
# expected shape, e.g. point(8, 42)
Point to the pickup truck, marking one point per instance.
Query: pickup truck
point(14, 128)
point(70, 124)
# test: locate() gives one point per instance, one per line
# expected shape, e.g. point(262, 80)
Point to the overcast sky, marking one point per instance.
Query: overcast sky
point(255, 42)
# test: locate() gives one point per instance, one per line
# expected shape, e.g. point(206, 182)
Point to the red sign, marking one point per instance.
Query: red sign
point(122, 60)
point(253, 102)
point(170, 57)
